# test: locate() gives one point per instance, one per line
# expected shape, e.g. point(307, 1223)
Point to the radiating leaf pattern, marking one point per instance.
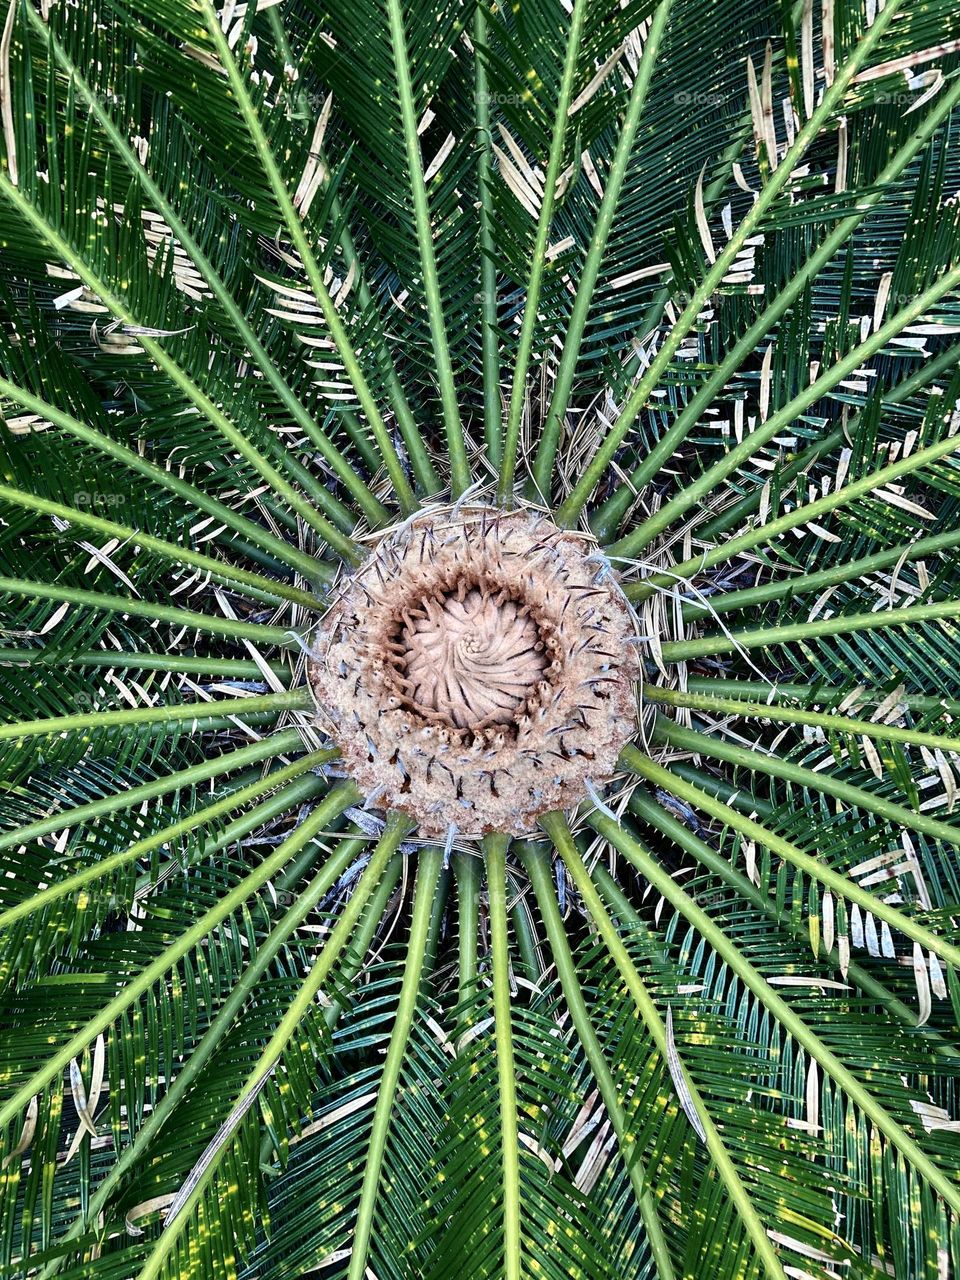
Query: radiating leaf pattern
point(277, 276)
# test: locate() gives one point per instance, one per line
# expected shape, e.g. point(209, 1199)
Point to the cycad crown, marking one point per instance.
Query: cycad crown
point(479, 513)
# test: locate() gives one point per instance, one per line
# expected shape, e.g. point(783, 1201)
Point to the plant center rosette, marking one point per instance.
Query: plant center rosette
point(478, 670)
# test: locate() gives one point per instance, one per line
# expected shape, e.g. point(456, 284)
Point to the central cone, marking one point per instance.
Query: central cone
point(472, 658)
point(477, 670)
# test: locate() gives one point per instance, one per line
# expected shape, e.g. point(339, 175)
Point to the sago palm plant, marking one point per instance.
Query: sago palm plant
point(479, 660)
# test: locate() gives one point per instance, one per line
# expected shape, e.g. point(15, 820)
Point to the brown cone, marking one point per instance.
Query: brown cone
point(477, 670)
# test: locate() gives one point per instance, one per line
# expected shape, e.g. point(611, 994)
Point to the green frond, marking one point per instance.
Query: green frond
point(279, 283)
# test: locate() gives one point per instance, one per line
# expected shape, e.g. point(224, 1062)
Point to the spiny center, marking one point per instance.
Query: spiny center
point(471, 659)
point(476, 670)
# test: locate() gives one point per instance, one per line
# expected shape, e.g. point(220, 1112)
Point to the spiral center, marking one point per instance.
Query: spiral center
point(475, 671)
point(471, 658)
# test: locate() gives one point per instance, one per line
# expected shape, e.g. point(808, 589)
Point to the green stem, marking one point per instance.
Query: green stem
point(738, 511)
point(556, 827)
point(214, 724)
point(345, 472)
point(605, 518)
point(90, 721)
point(338, 800)
point(466, 867)
point(245, 986)
point(738, 797)
point(154, 348)
point(489, 333)
point(228, 762)
point(646, 808)
point(841, 624)
point(753, 980)
point(179, 1212)
point(529, 962)
point(459, 467)
point(283, 803)
point(351, 963)
point(294, 225)
point(174, 552)
point(429, 863)
point(829, 102)
point(802, 514)
point(362, 940)
point(423, 469)
point(699, 489)
point(665, 730)
point(437, 916)
point(794, 715)
point(288, 799)
point(566, 368)
point(220, 668)
point(810, 866)
point(419, 459)
point(495, 858)
point(538, 261)
point(258, 632)
point(306, 564)
point(804, 583)
point(823, 694)
point(227, 804)
point(537, 868)
point(764, 324)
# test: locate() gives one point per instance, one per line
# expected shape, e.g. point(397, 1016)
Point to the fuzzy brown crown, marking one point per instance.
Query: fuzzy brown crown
point(478, 670)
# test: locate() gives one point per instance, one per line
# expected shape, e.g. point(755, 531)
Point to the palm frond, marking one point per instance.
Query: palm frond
point(305, 309)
